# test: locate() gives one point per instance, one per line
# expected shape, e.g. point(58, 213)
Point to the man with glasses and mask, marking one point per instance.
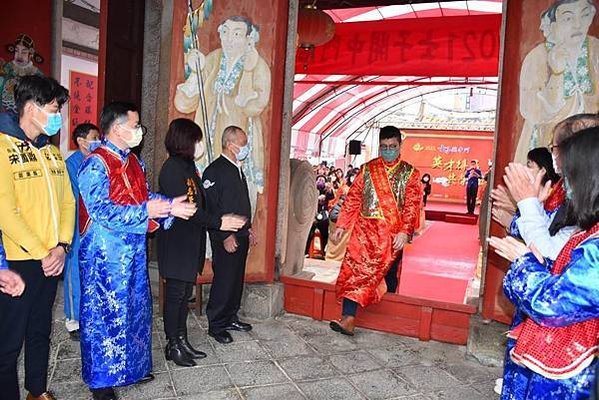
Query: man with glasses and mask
point(116, 212)
point(37, 217)
point(381, 210)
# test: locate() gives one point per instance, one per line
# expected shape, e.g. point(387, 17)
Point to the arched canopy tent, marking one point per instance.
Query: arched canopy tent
point(329, 109)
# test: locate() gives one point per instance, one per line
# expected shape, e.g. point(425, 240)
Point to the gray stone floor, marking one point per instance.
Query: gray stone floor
point(290, 358)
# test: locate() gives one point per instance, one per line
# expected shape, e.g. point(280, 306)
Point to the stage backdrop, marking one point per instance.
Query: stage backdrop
point(446, 155)
point(539, 87)
point(441, 46)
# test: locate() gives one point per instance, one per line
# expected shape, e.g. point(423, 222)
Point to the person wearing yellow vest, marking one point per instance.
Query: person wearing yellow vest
point(37, 215)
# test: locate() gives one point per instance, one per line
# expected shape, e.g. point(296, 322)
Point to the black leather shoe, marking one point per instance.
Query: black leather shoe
point(188, 348)
point(223, 337)
point(238, 326)
point(104, 394)
point(74, 335)
point(175, 352)
point(147, 378)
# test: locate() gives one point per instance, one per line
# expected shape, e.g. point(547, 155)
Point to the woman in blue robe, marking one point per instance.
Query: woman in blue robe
point(558, 301)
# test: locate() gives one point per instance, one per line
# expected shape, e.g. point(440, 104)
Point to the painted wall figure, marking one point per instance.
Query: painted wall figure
point(237, 83)
point(24, 53)
point(559, 77)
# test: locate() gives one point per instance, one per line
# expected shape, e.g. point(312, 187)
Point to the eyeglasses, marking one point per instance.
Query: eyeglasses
point(392, 147)
point(144, 129)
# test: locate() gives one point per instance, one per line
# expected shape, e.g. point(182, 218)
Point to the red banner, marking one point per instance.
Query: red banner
point(83, 103)
point(446, 155)
point(443, 46)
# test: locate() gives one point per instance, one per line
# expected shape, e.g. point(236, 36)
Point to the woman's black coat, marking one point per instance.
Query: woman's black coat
point(182, 248)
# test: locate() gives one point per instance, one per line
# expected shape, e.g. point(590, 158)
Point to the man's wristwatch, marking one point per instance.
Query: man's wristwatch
point(65, 246)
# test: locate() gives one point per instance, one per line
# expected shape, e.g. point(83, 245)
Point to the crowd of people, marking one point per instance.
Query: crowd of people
point(87, 218)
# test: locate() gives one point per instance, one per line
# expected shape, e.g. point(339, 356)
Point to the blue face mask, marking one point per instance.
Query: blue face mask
point(243, 153)
point(54, 122)
point(390, 155)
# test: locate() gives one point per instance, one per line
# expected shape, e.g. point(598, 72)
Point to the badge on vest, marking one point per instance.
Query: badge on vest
point(208, 184)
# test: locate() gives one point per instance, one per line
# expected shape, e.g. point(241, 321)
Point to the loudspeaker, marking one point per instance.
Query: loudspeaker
point(355, 147)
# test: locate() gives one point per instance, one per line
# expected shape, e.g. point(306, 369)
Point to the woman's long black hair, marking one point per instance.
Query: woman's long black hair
point(579, 155)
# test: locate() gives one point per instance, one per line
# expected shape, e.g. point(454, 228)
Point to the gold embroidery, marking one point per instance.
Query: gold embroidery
point(398, 175)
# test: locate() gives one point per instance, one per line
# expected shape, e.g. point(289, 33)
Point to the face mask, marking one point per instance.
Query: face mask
point(555, 167)
point(568, 189)
point(92, 145)
point(390, 155)
point(137, 135)
point(199, 151)
point(243, 153)
point(54, 122)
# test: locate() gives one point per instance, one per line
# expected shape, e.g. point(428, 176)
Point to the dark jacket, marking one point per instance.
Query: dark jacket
point(182, 248)
point(226, 193)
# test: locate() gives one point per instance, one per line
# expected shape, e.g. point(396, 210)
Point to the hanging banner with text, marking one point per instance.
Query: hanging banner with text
point(83, 103)
point(443, 46)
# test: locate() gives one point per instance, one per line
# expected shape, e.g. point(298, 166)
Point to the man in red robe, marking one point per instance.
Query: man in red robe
point(382, 210)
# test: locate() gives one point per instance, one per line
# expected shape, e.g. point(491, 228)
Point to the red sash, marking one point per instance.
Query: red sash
point(127, 184)
point(562, 352)
point(386, 198)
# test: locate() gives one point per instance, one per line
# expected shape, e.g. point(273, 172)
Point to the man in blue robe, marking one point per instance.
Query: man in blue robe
point(86, 137)
point(116, 211)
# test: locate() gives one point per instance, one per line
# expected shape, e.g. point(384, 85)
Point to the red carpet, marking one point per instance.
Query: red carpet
point(456, 208)
point(440, 264)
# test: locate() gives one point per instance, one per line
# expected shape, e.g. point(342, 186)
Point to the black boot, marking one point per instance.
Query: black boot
point(191, 352)
point(104, 394)
point(176, 353)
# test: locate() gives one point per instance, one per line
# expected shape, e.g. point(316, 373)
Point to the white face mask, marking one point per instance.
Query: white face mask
point(137, 135)
point(199, 151)
point(555, 167)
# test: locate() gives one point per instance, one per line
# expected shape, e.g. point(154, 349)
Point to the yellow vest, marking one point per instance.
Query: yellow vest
point(37, 207)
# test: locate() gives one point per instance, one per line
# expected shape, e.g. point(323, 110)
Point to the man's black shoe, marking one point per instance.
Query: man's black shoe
point(239, 326)
point(74, 335)
point(104, 394)
point(223, 337)
point(147, 378)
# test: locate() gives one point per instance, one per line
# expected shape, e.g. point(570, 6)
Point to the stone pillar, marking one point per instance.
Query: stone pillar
point(284, 177)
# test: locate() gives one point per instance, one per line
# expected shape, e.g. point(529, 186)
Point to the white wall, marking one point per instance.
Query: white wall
point(70, 63)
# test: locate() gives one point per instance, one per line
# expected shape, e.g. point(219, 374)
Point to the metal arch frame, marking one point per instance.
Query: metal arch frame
point(325, 97)
point(387, 110)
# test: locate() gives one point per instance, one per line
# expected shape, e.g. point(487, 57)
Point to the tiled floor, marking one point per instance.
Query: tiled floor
point(291, 358)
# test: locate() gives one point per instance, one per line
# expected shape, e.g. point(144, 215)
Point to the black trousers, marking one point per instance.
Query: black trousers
point(26, 319)
point(391, 278)
point(471, 192)
point(227, 284)
point(175, 312)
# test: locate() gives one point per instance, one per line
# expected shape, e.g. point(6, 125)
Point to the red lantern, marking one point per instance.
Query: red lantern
point(314, 27)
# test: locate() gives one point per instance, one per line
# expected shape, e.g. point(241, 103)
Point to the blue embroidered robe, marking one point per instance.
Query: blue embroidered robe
point(116, 304)
point(552, 300)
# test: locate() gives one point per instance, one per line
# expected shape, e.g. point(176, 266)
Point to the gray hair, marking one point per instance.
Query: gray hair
point(229, 134)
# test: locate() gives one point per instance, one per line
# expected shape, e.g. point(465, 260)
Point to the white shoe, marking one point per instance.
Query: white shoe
point(498, 385)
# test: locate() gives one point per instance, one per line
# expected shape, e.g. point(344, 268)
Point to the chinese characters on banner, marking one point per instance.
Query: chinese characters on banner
point(441, 46)
point(83, 104)
point(446, 155)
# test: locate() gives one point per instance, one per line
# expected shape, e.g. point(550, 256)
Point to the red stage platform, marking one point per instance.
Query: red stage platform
point(436, 272)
